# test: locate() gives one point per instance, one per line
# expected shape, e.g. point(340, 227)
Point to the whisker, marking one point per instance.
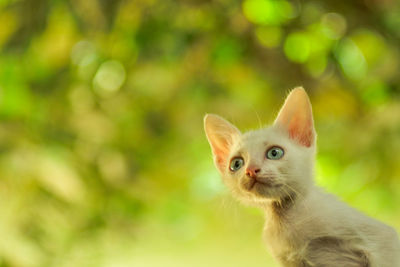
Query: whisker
point(258, 117)
point(288, 194)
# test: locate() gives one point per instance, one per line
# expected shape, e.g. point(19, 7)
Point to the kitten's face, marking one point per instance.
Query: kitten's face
point(267, 164)
point(271, 163)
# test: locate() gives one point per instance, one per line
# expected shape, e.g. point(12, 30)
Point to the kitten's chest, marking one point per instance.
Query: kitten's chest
point(276, 239)
point(282, 241)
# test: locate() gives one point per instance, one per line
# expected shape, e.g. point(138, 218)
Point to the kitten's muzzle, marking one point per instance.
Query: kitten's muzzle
point(252, 171)
point(255, 178)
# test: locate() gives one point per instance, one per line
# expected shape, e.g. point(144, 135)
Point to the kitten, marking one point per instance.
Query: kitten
point(272, 168)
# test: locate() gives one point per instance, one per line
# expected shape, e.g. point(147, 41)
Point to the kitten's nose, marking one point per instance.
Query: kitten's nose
point(252, 171)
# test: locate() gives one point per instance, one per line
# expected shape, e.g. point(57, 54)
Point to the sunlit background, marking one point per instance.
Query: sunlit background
point(103, 158)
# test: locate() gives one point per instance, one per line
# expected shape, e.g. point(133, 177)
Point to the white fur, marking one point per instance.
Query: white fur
point(304, 225)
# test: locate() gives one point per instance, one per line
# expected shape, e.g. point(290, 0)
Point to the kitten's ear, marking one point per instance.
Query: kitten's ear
point(296, 117)
point(221, 135)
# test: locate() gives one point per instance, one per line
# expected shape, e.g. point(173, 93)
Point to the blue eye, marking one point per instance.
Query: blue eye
point(236, 163)
point(275, 153)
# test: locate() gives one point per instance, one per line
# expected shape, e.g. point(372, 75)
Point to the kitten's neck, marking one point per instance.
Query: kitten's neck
point(279, 209)
point(282, 206)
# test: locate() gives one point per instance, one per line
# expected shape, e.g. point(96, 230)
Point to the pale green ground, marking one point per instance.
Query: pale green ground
point(233, 239)
point(222, 233)
point(212, 252)
point(226, 233)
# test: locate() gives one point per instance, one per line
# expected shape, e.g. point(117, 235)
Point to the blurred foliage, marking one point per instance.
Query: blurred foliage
point(104, 160)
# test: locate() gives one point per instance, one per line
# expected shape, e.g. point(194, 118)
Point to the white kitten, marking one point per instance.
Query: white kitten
point(273, 168)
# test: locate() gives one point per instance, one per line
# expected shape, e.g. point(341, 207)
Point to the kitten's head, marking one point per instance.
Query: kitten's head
point(271, 163)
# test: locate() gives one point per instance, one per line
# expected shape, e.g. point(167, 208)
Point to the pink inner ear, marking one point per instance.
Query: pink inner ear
point(221, 135)
point(220, 149)
point(221, 162)
point(302, 133)
point(220, 157)
point(296, 117)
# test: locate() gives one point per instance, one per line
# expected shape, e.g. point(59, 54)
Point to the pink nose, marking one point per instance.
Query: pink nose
point(252, 171)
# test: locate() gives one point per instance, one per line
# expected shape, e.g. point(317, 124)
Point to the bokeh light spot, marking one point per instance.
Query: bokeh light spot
point(109, 77)
point(333, 25)
point(82, 53)
point(297, 47)
point(351, 59)
point(370, 44)
point(267, 12)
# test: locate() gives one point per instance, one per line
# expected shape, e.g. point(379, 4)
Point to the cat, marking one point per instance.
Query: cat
point(272, 168)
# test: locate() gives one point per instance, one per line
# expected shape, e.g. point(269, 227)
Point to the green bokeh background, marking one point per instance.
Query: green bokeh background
point(103, 157)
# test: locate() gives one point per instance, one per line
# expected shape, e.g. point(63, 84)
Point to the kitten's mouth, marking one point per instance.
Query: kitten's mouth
point(252, 183)
point(258, 181)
